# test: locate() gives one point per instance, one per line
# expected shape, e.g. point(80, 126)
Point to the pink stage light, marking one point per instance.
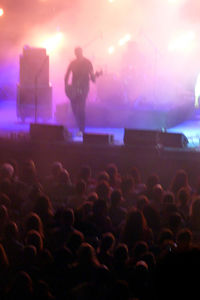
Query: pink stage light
point(54, 42)
point(1, 12)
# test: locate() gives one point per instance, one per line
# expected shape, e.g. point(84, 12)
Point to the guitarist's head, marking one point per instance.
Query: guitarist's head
point(78, 52)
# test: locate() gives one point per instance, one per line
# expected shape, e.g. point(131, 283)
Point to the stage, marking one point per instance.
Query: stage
point(11, 125)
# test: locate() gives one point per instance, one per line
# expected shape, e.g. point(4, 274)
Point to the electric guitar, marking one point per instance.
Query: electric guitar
point(74, 91)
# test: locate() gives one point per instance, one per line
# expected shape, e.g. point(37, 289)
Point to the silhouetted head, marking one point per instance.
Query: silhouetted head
point(81, 187)
point(183, 196)
point(165, 235)
point(34, 238)
point(121, 253)
point(152, 180)
point(22, 286)
point(112, 170)
point(11, 230)
point(7, 171)
point(75, 241)
point(136, 175)
point(43, 206)
point(85, 172)
point(180, 180)
point(116, 197)
point(107, 242)
point(34, 222)
point(142, 201)
point(100, 208)
point(29, 254)
point(195, 209)
point(4, 262)
point(78, 52)
point(168, 198)
point(103, 190)
point(127, 185)
point(3, 214)
point(140, 248)
point(87, 254)
point(184, 238)
point(158, 192)
point(68, 217)
point(103, 175)
point(56, 168)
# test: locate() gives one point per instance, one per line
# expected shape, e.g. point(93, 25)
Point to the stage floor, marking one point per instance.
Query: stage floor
point(11, 126)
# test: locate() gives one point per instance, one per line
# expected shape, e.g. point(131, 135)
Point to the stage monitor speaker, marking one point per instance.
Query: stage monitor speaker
point(98, 138)
point(137, 137)
point(174, 140)
point(150, 138)
point(47, 133)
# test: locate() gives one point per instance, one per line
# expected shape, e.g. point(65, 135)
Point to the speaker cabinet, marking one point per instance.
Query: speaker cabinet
point(34, 66)
point(98, 138)
point(34, 93)
point(136, 137)
point(176, 140)
point(31, 102)
point(150, 138)
point(47, 133)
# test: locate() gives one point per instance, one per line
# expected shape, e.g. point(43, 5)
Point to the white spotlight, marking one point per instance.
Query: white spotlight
point(183, 42)
point(53, 42)
point(1, 12)
point(124, 40)
point(111, 49)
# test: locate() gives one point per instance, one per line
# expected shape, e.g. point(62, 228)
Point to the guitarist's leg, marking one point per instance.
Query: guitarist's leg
point(82, 114)
point(78, 109)
point(75, 109)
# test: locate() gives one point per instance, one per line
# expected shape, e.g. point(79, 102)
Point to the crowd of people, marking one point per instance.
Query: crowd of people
point(99, 236)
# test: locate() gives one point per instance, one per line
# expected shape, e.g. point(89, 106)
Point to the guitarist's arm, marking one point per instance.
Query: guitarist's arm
point(92, 74)
point(67, 75)
point(95, 75)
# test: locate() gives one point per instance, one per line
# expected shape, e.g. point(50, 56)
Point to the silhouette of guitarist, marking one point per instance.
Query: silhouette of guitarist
point(82, 72)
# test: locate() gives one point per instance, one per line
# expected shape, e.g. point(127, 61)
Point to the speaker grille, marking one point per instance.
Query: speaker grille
point(46, 132)
point(138, 137)
point(97, 138)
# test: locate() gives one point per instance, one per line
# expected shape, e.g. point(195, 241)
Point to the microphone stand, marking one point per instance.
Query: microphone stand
point(36, 88)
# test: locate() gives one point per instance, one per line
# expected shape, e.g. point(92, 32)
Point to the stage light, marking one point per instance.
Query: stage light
point(111, 1)
point(111, 49)
point(54, 42)
point(124, 40)
point(184, 42)
point(1, 12)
